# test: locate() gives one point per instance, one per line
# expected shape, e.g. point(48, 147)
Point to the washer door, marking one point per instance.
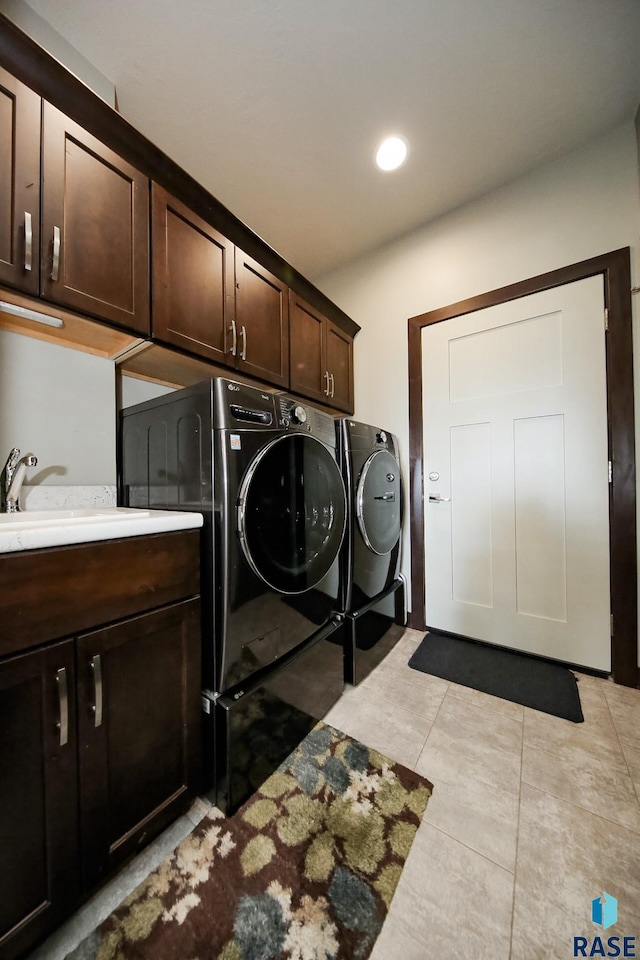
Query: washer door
point(292, 513)
point(378, 506)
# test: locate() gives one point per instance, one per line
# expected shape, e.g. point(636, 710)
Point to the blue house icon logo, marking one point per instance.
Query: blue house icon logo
point(604, 910)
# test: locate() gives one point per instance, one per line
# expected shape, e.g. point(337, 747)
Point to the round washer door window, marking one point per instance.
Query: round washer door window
point(378, 503)
point(292, 513)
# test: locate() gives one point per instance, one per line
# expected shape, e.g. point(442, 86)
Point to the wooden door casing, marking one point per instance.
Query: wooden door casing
point(99, 203)
point(139, 743)
point(19, 184)
point(193, 295)
point(39, 840)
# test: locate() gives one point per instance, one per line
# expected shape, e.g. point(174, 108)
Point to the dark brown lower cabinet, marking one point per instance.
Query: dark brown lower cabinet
point(39, 830)
point(138, 713)
point(99, 751)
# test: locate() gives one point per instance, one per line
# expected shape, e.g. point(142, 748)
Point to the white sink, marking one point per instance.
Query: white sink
point(26, 518)
point(29, 530)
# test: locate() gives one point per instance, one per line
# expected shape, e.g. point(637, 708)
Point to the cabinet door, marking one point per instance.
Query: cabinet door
point(139, 721)
point(39, 856)
point(95, 226)
point(19, 184)
point(262, 319)
point(192, 280)
point(340, 367)
point(307, 365)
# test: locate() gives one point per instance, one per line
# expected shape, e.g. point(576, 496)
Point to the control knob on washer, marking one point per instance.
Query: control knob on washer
point(299, 414)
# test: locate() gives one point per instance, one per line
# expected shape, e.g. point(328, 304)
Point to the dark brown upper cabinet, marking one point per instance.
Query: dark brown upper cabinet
point(340, 367)
point(321, 357)
point(210, 298)
point(19, 185)
point(95, 226)
point(260, 334)
point(193, 291)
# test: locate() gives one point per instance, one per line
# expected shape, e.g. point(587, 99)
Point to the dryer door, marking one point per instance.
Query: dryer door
point(378, 502)
point(292, 513)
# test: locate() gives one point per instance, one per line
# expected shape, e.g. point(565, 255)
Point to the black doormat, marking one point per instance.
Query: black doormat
point(544, 686)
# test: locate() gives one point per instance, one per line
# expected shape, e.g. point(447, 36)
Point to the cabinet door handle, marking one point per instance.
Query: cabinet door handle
point(234, 343)
point(326, 389)
point(96, 666)
point(28, 241)
point(63, 701)
point(55, 267)
point(333, 385)
point(243, 331)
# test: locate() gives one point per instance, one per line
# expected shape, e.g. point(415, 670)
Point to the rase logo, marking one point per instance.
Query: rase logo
point(604, 912)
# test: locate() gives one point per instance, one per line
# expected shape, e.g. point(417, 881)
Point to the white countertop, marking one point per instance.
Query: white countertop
point(33, 529)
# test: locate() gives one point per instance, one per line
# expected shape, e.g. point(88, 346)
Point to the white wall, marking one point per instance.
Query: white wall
point(59, 404)
point(43, 33)
point(133, 390)
point(582, 205)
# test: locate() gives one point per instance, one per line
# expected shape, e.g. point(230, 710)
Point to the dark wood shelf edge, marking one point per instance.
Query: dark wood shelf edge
point(35, 67)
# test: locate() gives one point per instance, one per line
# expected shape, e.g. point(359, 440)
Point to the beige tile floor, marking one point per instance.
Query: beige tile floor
point(531, 818)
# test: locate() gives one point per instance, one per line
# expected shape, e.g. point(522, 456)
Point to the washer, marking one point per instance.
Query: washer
point(262, 468)
point(372, 588)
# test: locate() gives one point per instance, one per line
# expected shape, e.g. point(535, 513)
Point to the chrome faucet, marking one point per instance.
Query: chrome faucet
point(12, 478)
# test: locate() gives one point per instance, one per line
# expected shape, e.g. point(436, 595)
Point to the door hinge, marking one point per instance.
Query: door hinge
point(610, 471)
point(606, 319)
point(611, 625)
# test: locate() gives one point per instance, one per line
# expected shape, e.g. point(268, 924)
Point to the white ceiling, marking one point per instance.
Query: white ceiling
point(276, 106)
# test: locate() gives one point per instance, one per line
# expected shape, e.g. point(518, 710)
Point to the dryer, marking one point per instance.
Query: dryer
point(372, 587)
point(263, 471)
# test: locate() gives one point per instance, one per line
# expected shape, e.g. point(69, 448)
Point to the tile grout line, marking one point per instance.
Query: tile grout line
point(433, 723)
point(515, 865)
point(486, 708)
point(636, 787)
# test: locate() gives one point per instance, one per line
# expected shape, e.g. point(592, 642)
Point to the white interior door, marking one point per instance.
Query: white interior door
point(515, 442)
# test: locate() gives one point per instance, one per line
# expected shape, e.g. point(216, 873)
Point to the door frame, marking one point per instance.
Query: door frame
point(615, 268)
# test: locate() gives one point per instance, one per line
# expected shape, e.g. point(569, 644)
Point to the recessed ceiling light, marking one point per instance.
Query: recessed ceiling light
point(391, 153)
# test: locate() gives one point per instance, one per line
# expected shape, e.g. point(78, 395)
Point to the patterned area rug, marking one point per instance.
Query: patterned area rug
point(305, 870)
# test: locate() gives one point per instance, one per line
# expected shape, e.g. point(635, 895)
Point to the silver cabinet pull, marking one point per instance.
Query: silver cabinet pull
point(28, 241)
point(326, 389)
point(55, 267)
point(63, 700)
point(438, 499)
point(243, 331)
point(234, 334)
point(96, 666)
point(333, 385)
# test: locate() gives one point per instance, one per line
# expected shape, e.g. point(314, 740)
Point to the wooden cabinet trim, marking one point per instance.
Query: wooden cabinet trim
point(57, 592)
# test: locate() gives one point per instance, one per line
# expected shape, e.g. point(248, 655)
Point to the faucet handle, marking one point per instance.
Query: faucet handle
point(12, 459)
